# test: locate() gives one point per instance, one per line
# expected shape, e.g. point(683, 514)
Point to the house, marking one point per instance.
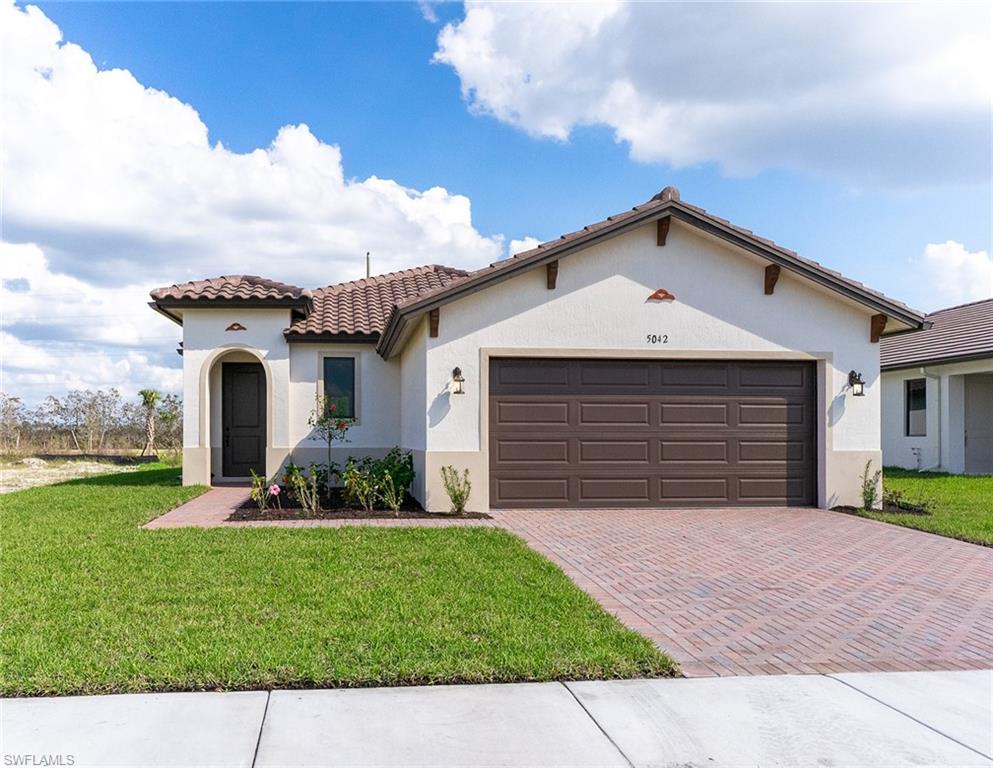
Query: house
point(660, 357)
point(938, 393)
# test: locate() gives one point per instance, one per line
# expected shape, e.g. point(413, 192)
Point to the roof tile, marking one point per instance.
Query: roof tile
point(230, 287)
point(956, 332)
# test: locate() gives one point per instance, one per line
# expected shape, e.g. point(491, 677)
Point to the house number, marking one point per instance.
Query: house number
point(657, 338)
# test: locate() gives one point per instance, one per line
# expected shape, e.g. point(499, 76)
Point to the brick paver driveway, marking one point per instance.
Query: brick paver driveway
point(730, 592)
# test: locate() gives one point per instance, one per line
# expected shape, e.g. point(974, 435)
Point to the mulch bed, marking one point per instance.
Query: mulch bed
point(333, 508)
point(888, 508)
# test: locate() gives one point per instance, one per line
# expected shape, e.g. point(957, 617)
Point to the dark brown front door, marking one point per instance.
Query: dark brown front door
point(638, 433)
point(243, 407)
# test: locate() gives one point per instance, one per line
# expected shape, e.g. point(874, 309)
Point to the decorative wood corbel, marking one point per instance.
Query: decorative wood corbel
point(434, 316)
point(663, 230)
point(771, 278)
point(551, 274)
point(876, 326)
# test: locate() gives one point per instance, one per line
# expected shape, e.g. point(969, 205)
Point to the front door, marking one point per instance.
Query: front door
point(979, 424)
point(243, 406)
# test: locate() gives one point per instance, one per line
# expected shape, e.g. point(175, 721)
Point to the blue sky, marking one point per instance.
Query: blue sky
point(531, 156)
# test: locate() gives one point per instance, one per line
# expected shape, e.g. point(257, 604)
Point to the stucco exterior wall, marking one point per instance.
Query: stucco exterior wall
point(599, 308)
point(206, 344)
point(414, 412)
point(943, 447)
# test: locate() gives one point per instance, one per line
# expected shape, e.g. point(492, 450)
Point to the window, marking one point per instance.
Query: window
point(916, 405)
point(339, 384)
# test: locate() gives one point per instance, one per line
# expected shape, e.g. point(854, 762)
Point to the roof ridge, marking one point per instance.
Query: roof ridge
point(383, 277)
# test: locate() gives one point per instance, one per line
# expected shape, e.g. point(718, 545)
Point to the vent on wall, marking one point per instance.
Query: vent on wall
point(661, 295)
point(236, 327)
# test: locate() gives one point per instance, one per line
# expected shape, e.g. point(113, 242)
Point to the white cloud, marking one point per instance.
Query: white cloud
point(954, 275)
point(524, 244)
point(891, 94)
point(112, 188)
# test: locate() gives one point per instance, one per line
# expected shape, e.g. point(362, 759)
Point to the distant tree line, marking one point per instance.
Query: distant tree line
point(92, 421)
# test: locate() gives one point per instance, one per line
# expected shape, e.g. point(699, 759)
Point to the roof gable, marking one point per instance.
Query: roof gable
point(665, 205)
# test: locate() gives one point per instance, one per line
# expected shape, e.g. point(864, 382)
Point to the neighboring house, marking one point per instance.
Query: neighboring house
point(662, 357)
point(938, 393)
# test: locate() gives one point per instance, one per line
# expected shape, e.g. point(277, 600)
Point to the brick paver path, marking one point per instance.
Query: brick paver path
point(730, 592)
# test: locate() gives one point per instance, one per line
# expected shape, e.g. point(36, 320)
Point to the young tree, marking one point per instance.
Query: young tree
point(329, 425)
point(149, 399)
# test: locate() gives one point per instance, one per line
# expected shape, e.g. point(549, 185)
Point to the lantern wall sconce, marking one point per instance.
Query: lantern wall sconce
point(457, 381)
point(856, 383)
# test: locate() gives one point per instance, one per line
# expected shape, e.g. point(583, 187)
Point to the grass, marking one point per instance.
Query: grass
point(92, 603)
point(963, 505)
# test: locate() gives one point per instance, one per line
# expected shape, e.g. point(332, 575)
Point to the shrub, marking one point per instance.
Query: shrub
point(391, 496)
point(263, 492)
point(458, 487)
point(304, 487)
point(870, 486)
point(398, 465)
point(361, 485)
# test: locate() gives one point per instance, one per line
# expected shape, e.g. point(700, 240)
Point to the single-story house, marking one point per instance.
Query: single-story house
point(660, 357)
point(938, 393)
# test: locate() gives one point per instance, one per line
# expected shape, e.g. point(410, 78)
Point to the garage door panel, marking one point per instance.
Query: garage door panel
point(696, 414)
point(694, 451)
point(533, 451)
point(592, 451)
point(532, 413)
point(605, 414)
point(617, 490)
point(646, 433)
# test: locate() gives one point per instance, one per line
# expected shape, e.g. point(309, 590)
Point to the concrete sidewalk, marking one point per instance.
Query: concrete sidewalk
point(859, 719)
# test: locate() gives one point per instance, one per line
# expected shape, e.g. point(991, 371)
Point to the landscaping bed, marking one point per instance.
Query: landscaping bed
point(92, 603)
point(334, 507)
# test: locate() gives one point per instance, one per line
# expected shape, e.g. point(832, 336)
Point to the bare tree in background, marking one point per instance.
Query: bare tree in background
point(13, 420)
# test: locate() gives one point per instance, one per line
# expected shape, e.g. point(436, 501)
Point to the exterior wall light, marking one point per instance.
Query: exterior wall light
point(857, 383)
point(457, 381)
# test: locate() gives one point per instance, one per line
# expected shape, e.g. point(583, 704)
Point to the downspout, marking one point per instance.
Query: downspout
point(926, 375)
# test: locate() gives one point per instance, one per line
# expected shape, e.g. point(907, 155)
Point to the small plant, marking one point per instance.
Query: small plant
point(870, 486)
point(398, 465)
point(305, 487)
point(263, 492)
point(458, 487)
point(326, 422)
point(391, 496)
point(361, 485)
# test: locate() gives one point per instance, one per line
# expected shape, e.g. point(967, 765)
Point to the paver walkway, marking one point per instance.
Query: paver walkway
point(760, 591)
point(901, 719)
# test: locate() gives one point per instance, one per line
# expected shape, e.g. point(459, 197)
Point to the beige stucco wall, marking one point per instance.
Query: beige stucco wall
point(943, 447)
point(599, 308)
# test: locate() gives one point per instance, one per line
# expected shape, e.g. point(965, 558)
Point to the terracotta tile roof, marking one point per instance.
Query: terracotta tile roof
point(231, 288)
point(362, 307)
point(956, 333)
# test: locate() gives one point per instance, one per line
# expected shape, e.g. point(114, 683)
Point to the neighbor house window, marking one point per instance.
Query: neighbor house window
point(916, 400)
point(339, 384)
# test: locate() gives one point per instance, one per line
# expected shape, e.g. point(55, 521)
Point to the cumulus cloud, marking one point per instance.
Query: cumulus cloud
point(113, 188)
point(524, 244)
point(888, 94)
point(955, 275)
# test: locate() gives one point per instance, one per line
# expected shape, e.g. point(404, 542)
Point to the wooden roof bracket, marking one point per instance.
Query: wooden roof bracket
point(663, 230)
point(551, 274)
point(771, 278)
point(434, 316)
point(876, 326)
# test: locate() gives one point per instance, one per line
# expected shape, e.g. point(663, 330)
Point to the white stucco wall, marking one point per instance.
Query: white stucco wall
point(943, 448)
point(206, 343)
point(599, 307)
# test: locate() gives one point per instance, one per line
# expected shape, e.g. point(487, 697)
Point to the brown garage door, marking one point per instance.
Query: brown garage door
point(635, 433)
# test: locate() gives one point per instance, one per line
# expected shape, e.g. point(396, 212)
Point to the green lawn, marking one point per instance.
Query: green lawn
point(963, 506)
point(91, 603)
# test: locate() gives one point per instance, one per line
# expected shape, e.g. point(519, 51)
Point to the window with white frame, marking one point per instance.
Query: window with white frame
point(339, 384)
point(915, 401)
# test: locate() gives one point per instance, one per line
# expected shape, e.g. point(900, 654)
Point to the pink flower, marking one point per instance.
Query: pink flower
point(274, 489)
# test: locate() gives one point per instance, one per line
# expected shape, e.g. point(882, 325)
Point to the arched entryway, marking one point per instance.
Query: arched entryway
point(236, 421)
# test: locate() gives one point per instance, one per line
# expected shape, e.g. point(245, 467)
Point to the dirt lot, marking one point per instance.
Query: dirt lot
point(29, 472)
